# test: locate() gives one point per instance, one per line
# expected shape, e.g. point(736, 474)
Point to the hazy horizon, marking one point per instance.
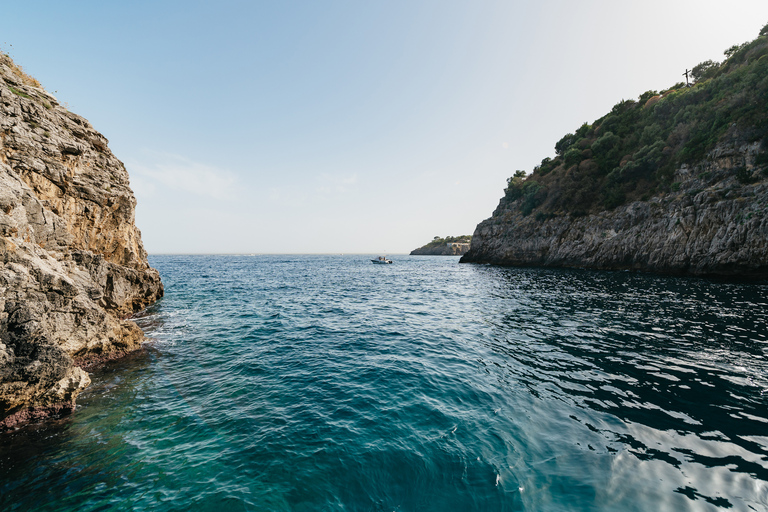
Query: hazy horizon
point(341, 127)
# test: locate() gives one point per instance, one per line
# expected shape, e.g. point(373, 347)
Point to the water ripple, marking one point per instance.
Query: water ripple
point(298, 383)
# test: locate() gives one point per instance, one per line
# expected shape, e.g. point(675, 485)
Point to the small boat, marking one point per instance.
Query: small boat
point(381, 260)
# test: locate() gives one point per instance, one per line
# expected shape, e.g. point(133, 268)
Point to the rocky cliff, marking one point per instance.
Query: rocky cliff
point(675, 182)
point(714, 223)
point(72, 265)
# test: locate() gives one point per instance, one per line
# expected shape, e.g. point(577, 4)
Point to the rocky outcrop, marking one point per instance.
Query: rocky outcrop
point(448, 246)
point(714, 222)
point(449, 249)
point(72, 265)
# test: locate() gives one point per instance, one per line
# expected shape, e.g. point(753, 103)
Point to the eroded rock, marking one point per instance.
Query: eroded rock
point(713, 224)
point(72, 265)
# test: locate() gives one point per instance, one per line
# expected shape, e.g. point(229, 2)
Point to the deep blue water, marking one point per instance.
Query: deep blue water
point(304, 383)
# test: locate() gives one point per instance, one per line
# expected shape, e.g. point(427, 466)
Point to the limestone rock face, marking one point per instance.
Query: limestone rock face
point(714, 223)
point(72, 265)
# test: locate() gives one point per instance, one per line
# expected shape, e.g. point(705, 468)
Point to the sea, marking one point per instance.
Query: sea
point(327, 383)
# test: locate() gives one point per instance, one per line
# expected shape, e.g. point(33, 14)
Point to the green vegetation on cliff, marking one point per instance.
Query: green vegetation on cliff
point(439, 246)
point(631, 153)
point(439, 242)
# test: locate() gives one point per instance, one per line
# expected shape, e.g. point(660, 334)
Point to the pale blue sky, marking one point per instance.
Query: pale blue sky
point(348, 126)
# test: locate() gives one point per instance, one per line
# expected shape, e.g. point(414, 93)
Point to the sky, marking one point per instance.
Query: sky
point(348, 126)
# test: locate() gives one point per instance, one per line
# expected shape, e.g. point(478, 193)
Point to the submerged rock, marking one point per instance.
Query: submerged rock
point(72, 265)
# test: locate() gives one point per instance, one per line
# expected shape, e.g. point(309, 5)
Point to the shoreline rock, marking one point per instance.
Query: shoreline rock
point(72, 265)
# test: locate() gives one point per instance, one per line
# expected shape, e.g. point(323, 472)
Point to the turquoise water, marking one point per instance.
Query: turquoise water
point(303, 383)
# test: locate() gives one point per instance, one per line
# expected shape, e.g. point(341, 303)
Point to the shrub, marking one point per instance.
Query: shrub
point(648, 158)
point(678, 85)
point(546, 166)
point(572, 157)
point(516, 181)
point(646, 96)
point(613, 197)
point(733, 49)
point(651, 133)
point(605, 151)
point(704, 70)
point(563, 144)
point(652, 101)
point(622, 106)
point(583, 130)
point(533, 195)
point(515, 185)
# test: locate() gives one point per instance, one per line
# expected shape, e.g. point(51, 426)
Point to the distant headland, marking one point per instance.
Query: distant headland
point(448, 246)
point(675, 182)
